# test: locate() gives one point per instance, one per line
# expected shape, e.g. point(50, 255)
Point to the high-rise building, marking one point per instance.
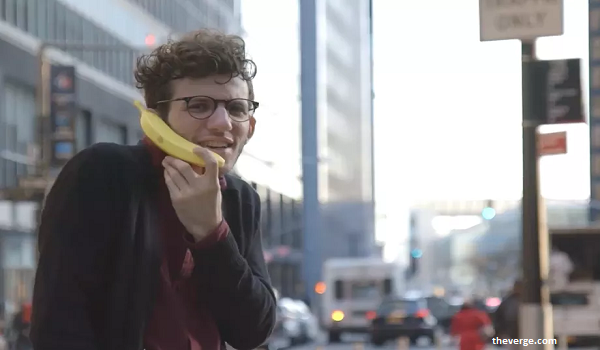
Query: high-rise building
point(337, 131)
point(103, 39)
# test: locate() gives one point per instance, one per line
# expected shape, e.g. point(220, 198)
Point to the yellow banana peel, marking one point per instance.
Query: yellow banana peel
point(168, 140)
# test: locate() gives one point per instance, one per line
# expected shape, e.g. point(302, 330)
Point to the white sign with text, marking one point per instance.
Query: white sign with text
point(520, 19)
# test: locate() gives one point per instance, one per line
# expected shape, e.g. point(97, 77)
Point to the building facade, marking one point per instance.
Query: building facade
point(337, 131)
point(114, 33)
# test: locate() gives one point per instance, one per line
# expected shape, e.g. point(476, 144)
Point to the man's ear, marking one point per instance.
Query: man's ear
point(252, 122)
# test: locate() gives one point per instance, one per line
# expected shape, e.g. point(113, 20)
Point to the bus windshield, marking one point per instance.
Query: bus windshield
point(363, 290)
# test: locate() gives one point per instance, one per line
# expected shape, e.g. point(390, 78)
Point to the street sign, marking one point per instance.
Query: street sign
point(556, 91)
point(519, 19)
point(552, 143)
point(63, 113)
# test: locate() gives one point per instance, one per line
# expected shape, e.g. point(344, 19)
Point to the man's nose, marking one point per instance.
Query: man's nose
point(220, 120)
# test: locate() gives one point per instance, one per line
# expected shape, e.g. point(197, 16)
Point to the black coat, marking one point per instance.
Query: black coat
point(100, 257)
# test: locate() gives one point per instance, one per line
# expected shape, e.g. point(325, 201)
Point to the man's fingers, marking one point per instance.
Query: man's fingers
point(176, 177)
point(210, 162)
point(184, 168)
point(173, 189)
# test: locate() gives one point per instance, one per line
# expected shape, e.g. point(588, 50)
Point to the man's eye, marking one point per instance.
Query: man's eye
point(238, 108)
point(199, 107)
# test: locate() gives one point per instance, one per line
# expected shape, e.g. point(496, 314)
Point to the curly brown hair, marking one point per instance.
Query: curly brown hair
point(197, 55)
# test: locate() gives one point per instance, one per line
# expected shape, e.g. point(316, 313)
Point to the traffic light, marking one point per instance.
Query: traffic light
point(413, 266)
point(416, 253)
point(150, 40)
point(488, 213)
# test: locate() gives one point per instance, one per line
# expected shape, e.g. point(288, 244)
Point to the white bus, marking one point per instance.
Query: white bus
point(354, 289)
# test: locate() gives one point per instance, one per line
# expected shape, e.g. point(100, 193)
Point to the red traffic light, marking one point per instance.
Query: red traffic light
point(150, 40)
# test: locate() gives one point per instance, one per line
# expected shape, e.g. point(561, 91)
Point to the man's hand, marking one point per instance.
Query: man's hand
point(195, 198)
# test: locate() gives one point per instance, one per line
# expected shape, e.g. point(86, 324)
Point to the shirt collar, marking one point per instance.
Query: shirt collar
point(158, 155)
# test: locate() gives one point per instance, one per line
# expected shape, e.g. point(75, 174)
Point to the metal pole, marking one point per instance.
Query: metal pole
point(534, 308)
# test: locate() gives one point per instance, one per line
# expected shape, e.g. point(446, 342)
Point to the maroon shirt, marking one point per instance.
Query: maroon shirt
point(180, 321)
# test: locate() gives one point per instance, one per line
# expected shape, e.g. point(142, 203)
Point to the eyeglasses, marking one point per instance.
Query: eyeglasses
point(203, 107)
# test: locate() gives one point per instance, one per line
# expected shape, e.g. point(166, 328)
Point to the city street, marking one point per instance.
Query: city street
point(357, 342)
point(363, 346)
point(367, 346)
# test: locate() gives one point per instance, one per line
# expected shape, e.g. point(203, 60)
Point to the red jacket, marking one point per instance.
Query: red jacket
point(467, 324)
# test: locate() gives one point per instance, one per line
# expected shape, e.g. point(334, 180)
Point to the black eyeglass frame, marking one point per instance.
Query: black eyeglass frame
point(187, 100)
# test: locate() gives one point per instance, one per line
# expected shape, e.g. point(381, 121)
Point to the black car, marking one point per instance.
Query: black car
point(442, 311)
point(403, 317)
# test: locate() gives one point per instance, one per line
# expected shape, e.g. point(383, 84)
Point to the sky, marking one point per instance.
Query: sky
point(276, 142)
point(448, 113)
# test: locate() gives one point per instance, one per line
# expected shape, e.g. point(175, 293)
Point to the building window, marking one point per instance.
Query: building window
point(276, 222)
point(17, 127)
point(296, 208)
point(111, 132)
point(19, 252)
point(340, 44)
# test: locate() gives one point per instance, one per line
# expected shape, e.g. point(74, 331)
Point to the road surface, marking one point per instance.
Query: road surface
point(358, 342)
point(366, 346)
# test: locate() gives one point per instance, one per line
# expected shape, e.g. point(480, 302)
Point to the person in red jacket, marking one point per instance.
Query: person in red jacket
point(471, 326)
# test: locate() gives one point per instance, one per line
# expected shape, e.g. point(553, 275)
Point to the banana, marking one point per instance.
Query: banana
point(168, 140)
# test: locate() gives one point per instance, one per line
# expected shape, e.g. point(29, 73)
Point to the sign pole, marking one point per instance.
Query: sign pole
point(594, 108)
point(534, 305)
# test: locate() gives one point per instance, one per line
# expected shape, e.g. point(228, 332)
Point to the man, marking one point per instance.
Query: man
point(20, 327)
point(507, 314)
point(561, 268)
point(139, 250)
point(471, 326)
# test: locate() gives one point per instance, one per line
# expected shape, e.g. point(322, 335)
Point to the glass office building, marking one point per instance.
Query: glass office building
point(337, 133)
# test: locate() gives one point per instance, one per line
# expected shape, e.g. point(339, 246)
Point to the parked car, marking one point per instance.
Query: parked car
point(309, 323)
point(280, 337)
point(292, 322)
point(295, 325)
point(443, 311)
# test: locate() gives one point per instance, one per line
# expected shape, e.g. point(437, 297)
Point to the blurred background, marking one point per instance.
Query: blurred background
point(387, 133)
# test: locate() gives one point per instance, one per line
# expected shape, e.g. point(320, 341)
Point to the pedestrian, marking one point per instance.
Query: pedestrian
point(20, 328)
point(506, 316)
point(472, 327)
point(139, 250)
